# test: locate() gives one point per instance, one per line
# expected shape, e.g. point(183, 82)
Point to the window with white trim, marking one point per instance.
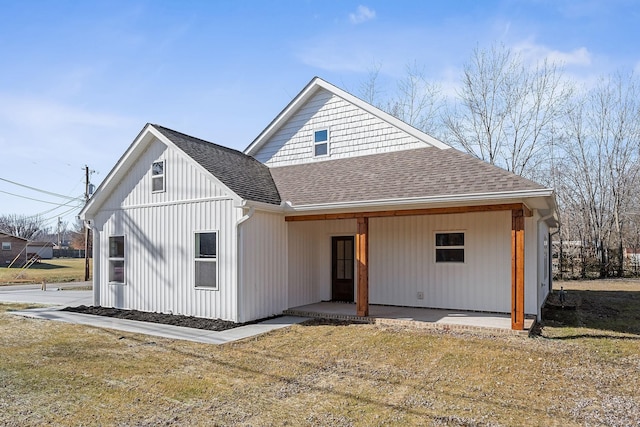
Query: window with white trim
point(321, 143)
point(116, 259)
point(450, 247)
point(157, 176)
point(6, 246)
point(206, 260)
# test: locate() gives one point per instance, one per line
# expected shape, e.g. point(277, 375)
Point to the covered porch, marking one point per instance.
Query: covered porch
point(486, 226)
point(414, 317)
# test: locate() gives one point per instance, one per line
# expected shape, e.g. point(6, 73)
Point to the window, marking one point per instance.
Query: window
point(206, 260)
point(157, 176)
point(6, 246)
point(321, 142)
point(116, 259)
point(449, 247)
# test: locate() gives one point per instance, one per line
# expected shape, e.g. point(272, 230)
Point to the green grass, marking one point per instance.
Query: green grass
point(52, 270)
point(578, 372)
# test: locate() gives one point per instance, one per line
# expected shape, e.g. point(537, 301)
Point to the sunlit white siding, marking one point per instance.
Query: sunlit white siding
point(262, 283)
point(352, 132)
point(159, 231)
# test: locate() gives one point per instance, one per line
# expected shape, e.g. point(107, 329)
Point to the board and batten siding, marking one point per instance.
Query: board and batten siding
point(309, 248)
point(184, 180)
point(159, 231)
point(262, 281)
point(402, 262)
point(352, 132)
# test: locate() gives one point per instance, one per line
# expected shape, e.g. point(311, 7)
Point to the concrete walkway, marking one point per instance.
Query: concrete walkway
point(72, 298)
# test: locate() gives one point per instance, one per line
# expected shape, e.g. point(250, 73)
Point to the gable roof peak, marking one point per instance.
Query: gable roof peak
point(311, 89)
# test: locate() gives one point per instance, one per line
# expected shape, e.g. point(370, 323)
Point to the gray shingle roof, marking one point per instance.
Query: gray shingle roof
point(423, 172)
point(243, 174)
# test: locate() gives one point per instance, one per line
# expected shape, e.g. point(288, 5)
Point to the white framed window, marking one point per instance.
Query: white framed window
point(206, 260)
point(6, 246)
point(116, 260)
point(450, 247)
point(157, 176)
point(321, 143)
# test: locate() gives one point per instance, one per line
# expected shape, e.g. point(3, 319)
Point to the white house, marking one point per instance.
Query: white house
point(334, 200)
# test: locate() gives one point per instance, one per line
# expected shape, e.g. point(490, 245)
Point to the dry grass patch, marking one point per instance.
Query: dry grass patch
point(317, 374)
point(52, 270)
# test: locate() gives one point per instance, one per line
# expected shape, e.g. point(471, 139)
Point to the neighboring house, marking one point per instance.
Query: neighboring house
point(334, 200)
point(12, 247)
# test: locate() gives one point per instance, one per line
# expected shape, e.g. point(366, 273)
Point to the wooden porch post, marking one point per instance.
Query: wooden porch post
point(517, 269)
point(362, 255)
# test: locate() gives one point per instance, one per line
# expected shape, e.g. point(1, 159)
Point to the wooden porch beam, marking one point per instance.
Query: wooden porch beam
point(517, 269)
point(410, 212)
point(362, 261)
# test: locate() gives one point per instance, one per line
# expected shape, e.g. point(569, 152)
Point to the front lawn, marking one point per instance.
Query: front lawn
point(57, 270)
point(577, 372)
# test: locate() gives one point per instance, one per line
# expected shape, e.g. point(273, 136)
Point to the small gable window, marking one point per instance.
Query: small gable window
point(450, 247)
point(321, 143)
point(157, 176)
point(6, 246)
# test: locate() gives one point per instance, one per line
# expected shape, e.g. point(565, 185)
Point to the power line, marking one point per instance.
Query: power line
point(38, 200)
point(55, 208)
point(37, 189)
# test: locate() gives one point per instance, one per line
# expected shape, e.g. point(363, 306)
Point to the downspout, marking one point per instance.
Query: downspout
point(239, 263)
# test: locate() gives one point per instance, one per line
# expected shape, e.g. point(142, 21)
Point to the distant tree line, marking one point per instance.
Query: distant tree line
point(531, 119)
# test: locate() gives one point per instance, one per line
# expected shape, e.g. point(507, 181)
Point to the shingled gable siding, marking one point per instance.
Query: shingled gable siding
point(159, 239)
point(352, 130)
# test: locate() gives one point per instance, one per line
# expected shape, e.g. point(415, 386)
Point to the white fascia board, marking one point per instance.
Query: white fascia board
point(445, 200)
point(310, 89)
point(375, 111)
point(139, 145)
point(103, 191)
point(288, 111)
point(261, 206)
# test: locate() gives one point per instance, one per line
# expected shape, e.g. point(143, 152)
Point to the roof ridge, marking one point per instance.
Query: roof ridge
point(204, 141)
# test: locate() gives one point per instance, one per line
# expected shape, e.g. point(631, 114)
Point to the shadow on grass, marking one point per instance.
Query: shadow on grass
point(611, 311)
point(41, 266)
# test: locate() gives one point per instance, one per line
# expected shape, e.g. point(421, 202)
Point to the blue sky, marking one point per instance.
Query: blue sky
point(79, 79)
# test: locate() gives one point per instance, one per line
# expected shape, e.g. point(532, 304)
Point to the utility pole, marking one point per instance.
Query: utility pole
point(86, 229)
point(59, 224)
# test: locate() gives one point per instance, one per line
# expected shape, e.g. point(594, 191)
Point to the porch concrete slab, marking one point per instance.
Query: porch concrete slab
point(413, 316)
point(160, 330)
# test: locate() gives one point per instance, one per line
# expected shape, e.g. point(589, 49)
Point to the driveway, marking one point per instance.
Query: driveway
point(52, 296)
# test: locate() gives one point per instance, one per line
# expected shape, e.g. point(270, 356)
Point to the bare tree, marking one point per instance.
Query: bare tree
point(601, 175)
point(27, 227)
point(505, 112)
point(416, 101)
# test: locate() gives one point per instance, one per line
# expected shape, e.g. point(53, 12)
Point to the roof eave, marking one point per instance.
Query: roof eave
point(526, 197)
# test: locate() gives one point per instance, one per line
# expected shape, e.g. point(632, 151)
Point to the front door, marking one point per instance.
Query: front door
point(342, 260)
